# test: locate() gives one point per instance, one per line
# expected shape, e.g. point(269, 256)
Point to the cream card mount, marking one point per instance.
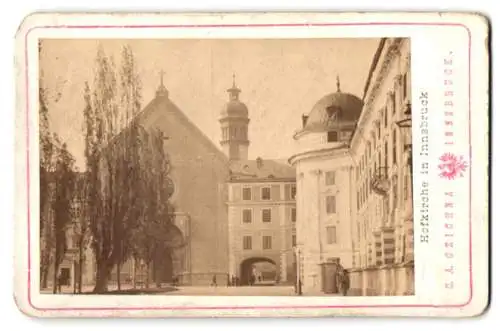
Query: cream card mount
point(252, 164)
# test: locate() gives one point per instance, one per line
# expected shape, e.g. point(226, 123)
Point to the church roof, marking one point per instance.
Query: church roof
point(333, 109)
point(163, 103)
point(261, 170)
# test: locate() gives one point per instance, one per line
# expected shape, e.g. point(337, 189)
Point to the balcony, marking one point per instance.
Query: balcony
point(380, 181)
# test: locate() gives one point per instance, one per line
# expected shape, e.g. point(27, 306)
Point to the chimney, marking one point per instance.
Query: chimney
point(304, 120)
point(259, 162)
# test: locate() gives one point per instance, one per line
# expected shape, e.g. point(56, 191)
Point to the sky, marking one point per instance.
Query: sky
point(280, 81)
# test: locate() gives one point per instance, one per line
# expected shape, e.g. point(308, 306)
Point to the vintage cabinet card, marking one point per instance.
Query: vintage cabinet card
point(263, 164)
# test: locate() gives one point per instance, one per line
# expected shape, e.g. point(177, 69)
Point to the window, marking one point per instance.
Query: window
point(395, 194)
point(294, 240)
point(406, 187)
point(331, 235)
point(293, 192)
point(294, 215)
point(386, 154)
point(247, 242)
point(393, 102)
point(394, 147)
point(247, 216)
point(330, 178)
point(267, 242)
point(266, 193)
point(333, 136)
point(247, 193)
point(331, 207)
point(405, 85)
point(266, 215)
point(385, 116)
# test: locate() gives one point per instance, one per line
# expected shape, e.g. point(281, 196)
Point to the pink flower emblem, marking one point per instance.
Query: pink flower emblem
point(451, 166)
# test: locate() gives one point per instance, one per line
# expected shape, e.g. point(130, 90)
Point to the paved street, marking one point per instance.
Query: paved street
point(234, 290)
point(197, 290)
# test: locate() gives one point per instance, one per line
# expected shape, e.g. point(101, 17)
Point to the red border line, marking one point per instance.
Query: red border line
point(180, 308)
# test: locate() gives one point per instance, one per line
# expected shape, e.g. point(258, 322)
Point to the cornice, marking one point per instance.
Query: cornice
point(338, 151)
point(393, 51)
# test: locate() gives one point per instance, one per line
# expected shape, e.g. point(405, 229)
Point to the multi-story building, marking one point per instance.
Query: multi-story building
point(323, 166)
point(261, 202)
point(381, 177)
point(354, 202)
point(262, 218)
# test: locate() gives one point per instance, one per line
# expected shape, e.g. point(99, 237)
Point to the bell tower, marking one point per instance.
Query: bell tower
point(234, 126)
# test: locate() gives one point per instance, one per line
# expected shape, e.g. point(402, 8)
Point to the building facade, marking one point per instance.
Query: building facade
point(381, 177)
point(354, 203)
point(323, 165)
point(262, 217)
point(261, 203)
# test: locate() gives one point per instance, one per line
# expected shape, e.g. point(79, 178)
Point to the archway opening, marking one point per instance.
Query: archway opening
point(258, 271)
point(166, 264)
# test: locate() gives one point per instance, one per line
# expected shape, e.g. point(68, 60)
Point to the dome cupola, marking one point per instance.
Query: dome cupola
point(234, 107)
point(333, 111)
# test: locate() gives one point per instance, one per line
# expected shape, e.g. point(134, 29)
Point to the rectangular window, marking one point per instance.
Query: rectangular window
point(247, 193)
point(247, 242)
point(333, 136)
point(406, 188)
point(330, 178)
point(331, 204)
point(294, 215)
point(386, 156)
point(267, 242)
point(331, 235)
point(294, 240)
point(405, 85)
point(266, 215)
point(394, 148)
point(385, 116)
point(395, 194)
point(293, 192)
point(265, 193)
point(247, 216)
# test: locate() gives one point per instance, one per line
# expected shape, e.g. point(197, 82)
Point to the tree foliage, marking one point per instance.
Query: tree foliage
point(126, 166)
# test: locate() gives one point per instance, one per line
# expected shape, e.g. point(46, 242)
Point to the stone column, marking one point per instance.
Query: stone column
point(312, 250)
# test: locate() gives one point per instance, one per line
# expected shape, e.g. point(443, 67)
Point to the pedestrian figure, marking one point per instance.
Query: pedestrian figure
point(345, 282)
point(214, 281)
point(59, 281)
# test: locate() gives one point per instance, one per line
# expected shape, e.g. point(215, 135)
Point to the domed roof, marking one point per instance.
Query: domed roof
point(332, 109)
point(234, 107)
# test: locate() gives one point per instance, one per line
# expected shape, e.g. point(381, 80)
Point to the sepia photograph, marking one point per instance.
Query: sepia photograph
point(249, 167)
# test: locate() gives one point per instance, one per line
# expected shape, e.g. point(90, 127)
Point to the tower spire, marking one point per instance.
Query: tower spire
point(234, 91)
point(162, 90)
point(338, 83)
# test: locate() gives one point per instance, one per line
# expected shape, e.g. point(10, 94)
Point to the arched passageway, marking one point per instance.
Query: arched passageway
point(258, 270)
point(166, 264)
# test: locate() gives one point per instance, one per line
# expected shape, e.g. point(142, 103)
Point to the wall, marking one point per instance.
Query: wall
point(199, 171)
